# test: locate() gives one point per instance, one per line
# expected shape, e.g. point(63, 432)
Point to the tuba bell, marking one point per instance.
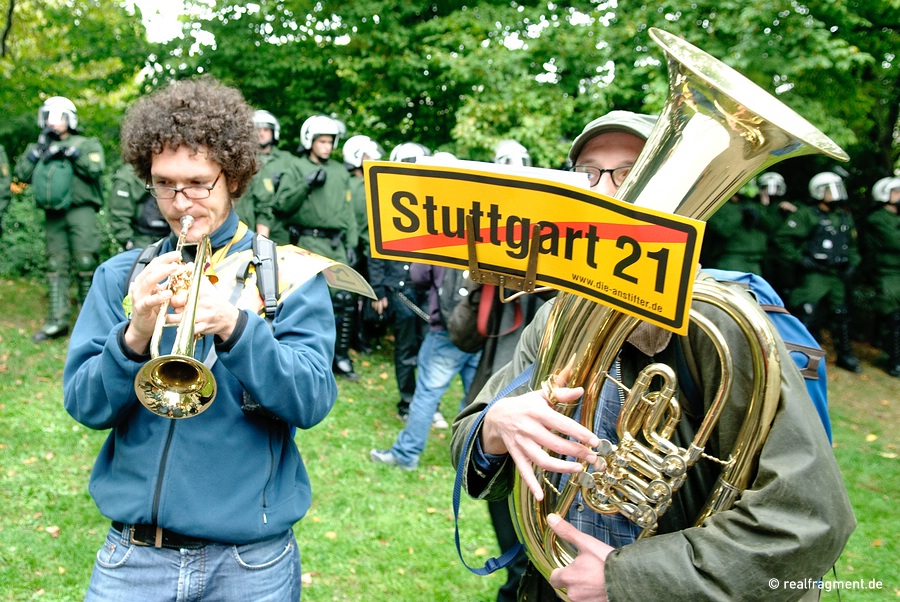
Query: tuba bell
point(177, 385)
point(716, 131)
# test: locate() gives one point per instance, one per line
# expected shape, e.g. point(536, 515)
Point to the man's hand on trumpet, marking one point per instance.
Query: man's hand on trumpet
point(147, 297)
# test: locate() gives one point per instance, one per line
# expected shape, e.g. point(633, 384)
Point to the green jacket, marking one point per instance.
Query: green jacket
point(274, 178)
point(88, 169)
point(803, 232)
point(790, 524)
point(737, 236)
point(358, 199)
point(328, 206)
point(5, 182)
point(883, 239)
point(134, 216)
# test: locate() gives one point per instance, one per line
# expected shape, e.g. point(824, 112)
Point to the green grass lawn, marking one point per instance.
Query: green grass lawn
point(373, 533)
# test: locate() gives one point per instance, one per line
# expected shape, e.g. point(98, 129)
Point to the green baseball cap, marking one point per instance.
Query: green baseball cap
point(638, 124)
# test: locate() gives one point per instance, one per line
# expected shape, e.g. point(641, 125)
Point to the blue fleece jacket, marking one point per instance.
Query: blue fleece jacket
point(221, 475)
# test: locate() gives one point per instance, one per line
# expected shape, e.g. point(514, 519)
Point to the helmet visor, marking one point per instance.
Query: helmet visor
point(52, 116)
point(837, 191)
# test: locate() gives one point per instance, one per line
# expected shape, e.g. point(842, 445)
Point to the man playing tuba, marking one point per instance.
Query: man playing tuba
point(745, 553)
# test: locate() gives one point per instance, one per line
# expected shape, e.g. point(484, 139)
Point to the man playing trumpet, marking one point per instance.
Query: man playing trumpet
point(205, 504)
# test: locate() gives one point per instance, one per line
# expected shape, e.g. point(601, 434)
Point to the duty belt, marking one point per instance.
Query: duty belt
point(320, 232)
point(153, 535)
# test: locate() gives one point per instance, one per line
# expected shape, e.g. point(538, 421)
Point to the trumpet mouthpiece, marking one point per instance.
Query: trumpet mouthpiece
point(186, 222)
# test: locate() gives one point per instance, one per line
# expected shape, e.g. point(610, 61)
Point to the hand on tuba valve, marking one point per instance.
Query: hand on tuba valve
point(177, 385)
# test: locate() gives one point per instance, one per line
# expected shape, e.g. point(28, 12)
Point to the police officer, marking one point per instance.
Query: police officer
point(356, 150)
point(403, 302)
point(134, 216)
point(820, 238)
point(883, 237)
point(5, 182)
point(511, 152)
point(275, 176)
point(738, 234)
point(320, 218)
point(64, 169)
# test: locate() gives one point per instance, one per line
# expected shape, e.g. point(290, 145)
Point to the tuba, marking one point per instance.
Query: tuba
point(717, 130)
point(177, 385)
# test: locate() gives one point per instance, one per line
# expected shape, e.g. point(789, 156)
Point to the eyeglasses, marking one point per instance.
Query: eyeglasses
point(617, 174)
point(193, 192)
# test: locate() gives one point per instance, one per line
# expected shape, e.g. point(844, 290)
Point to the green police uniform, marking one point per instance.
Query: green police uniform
point(5, 182)
point(65, 177)
point(134, 215)
point(883, 237)
point(257, 205)
point(824, 247)
point(737, 236)
point(321, 217)
point(358, 200)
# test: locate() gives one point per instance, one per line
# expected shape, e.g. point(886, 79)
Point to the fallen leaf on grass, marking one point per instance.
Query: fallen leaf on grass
point(431, 510)
point(53, 531)
point(306, 578)
point(383, 376)
point(331, 535)
point(876, 543)
point(888, 455)
point(481, 552)
point(871, 437)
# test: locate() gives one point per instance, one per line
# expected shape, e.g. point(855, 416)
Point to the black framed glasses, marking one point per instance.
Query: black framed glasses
point(193, 192)
point(617, 174)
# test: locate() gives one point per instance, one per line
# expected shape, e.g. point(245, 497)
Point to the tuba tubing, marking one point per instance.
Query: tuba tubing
point(716, 131)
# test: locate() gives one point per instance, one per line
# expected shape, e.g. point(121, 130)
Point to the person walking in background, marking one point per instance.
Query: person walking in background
point(882, 234)
point(134, 216)
point(820, 239)
point(439, 362)
point(403, 303)
point(201, 507)
point(320, 218)
point(64, 169)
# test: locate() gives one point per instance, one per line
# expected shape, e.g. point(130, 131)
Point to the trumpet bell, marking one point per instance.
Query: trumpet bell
point(175, 386)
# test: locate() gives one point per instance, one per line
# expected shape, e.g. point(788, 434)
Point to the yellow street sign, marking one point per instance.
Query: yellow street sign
point(637, 260)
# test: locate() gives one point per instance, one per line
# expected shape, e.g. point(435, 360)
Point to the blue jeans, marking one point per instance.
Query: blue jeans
point(438, 362)
point(263, 571)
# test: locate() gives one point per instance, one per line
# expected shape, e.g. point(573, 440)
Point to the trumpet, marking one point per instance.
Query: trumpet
point(177, 385)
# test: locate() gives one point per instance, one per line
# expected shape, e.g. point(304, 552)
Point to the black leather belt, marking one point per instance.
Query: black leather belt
point(320, 232)
point(152, 535)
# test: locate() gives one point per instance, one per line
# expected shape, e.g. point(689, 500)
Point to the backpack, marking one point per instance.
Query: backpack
point(52, 183)
point(806, 352)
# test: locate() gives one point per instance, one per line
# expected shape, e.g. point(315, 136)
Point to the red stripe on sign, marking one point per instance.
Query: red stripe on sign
point(643, 233)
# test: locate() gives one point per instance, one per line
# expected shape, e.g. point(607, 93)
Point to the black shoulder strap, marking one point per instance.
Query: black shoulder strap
point(147, 255)
point(265, 259)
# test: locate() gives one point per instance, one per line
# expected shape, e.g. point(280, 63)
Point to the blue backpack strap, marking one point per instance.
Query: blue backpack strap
point(492, 564)
point(808, 355)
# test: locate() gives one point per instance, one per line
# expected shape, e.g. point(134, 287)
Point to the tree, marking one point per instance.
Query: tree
point(90, 51)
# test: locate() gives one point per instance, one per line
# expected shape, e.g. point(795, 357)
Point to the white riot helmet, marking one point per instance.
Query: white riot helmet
point(357, 147)
point(264, 119)
point(445, 157)
point(772, 183)
point(318, 125)
point(408, 151)
point(881, 192)
point(827, 181)
point(510, 152)
point(54, 108)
